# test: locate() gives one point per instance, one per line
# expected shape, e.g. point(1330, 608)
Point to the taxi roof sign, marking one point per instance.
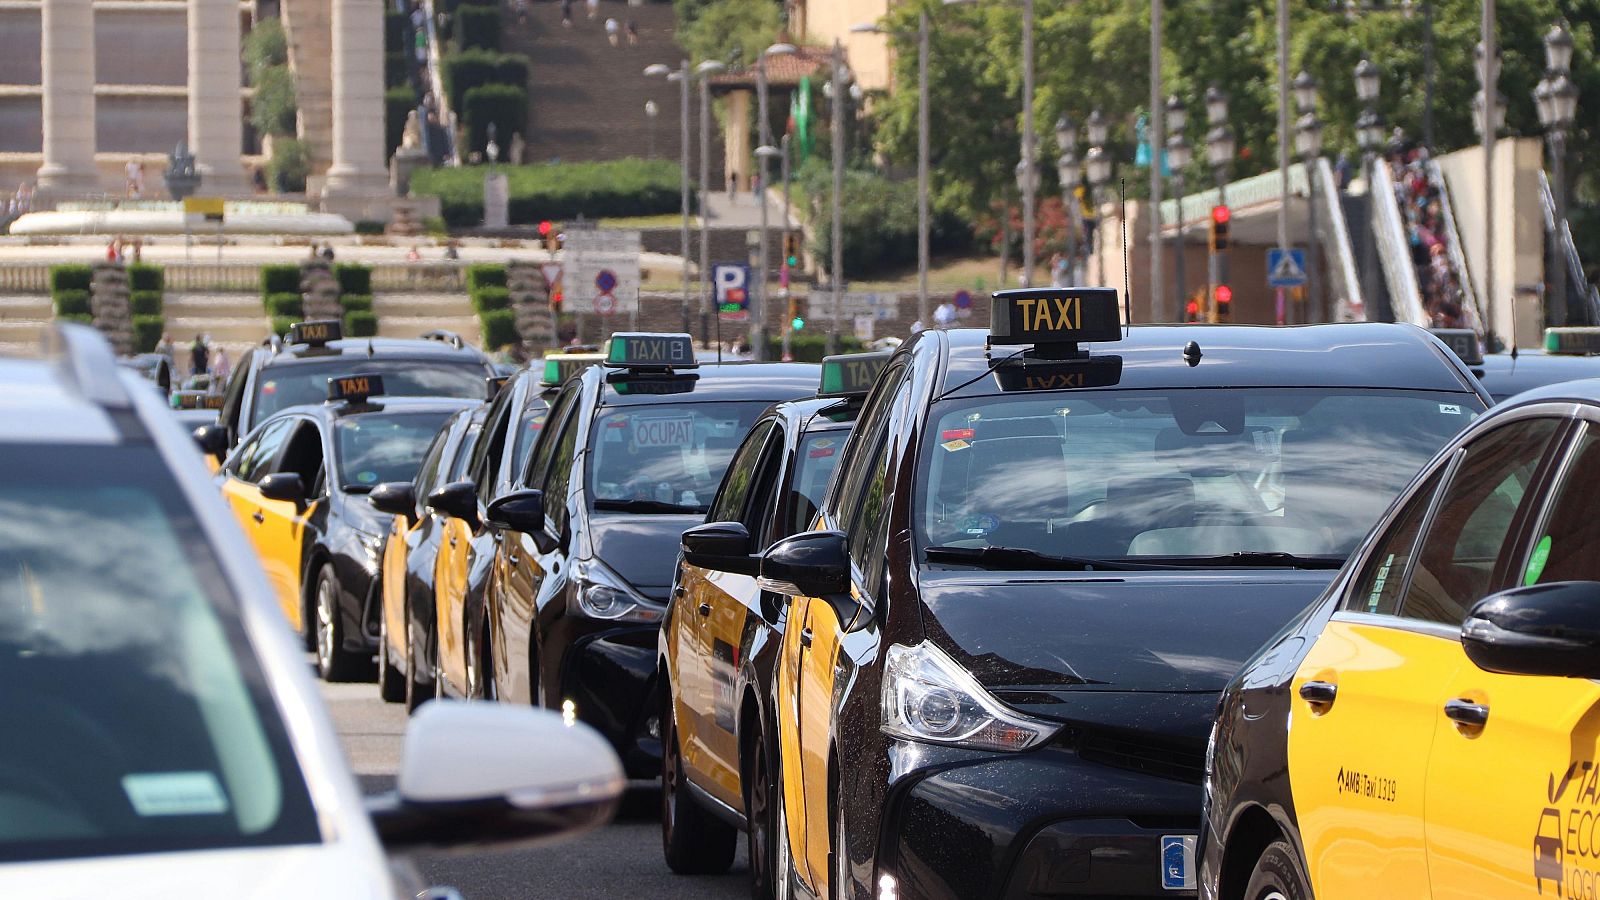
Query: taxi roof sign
point(1054, 320)
point(851, 374)
point(558, 367)
point(1576, 341)
point(1463, 342)
point(641, 350)
point(317, 333)
point(354, 388)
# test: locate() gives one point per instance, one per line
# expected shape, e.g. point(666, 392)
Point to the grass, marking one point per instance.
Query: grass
point(945, 274)
point(664, 220)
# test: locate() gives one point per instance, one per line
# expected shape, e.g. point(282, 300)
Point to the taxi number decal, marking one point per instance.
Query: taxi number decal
point(1052, 313)
point(1361, 784)
point(677, 431)
point(175, 794)
point(955, 445)
point(1566, 839)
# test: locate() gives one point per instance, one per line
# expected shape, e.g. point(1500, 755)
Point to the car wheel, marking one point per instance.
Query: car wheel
point(419, 692)
point(334, 663)
point(782, 859)
point(693, 841)
point(839, 878)
point(390, 686)
point(480, 668)
point(766, 843)
point(1277, 875)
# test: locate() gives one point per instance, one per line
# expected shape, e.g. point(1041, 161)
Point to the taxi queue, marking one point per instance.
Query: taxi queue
point(958, 621)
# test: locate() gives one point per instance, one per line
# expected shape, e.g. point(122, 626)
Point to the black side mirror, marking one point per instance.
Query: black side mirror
point(517, 511)
point(721, 547)
point(397, 498)
point(213, 440)
point(812, 564)
point(458, 500)
point(285, 486)
point(1543, 629)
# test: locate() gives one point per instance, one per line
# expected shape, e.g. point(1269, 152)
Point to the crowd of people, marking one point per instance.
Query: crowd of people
point(1422, 214)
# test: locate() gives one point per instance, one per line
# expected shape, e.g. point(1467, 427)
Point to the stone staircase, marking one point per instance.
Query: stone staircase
point(409, 315)
point(586, 97)
point(23, 319)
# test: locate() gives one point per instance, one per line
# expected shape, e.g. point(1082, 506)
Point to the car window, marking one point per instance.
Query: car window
point(1381, 584)
point(302, 455)
point(233, 396)
point(729, 505)
point(559, 475)
point(1468, 532)
point(869, 427)
point(296, 383)
point(667, 457)
point(529, 424)
point(1568, 546)
point(491, 441)
point(556, 417)
point(761, 513)
point(373, 449)
point(459, 465)
point(255, 460)
point(432, 468)
point(872, 511)
point(816, 459)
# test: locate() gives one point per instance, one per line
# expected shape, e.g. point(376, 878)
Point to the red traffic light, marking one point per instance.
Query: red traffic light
point(544, 229)
point(1224, 293)
point(1220, 215)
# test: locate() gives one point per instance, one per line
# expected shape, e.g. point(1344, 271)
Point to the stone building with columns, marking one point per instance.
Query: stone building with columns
point(88, 85)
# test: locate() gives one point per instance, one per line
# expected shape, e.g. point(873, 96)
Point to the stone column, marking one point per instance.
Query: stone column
point(358, 169)
point(215, 110)
point(66, 51)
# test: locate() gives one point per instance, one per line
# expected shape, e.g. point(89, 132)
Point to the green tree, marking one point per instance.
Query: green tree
point(733, 31)
point(272, 110)
point(264, 47)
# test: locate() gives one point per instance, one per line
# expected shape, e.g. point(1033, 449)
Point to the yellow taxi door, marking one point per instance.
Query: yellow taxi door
point(819, 639)
point(1513, 805)
point(450, 594)
point(787, 692)
point(267, 523)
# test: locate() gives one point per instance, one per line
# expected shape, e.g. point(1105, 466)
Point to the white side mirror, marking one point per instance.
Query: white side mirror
point(478, 774)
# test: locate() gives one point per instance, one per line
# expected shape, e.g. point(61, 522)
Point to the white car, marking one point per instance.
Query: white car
point(160, 734)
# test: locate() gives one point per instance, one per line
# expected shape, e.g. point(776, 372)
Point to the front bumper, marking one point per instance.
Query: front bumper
point(1040, 824)
point(609, 675)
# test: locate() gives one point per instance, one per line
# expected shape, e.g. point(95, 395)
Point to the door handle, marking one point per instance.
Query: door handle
point(258, 517)
point(1465, 712)
point(1320, 693)
point(678, 592)
point(705, 609)
point(512, 556)
point(805, 638)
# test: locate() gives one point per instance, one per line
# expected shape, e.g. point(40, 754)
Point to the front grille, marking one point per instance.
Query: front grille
point(1161, 759)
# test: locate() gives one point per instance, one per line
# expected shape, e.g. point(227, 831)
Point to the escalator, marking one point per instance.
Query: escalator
point(1583, 300)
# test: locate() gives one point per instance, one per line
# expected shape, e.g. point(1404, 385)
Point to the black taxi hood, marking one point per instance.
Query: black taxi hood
point(1046, 636)
point(643, 549)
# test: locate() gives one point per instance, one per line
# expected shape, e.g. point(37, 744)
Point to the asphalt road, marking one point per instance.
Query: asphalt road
point(621, 860)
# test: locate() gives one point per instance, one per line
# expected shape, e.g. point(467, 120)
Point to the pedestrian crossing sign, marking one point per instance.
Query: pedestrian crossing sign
point(1286, 268)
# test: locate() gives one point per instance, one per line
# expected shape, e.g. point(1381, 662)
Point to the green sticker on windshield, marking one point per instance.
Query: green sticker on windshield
point(1541, 555)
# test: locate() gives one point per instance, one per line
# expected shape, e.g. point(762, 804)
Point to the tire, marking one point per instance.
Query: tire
point(420, 692)
point(693, 841)
point(334, 663)
point(480, 668)
point(766, 844)
point(839, 875)
point(390, 686)
point(1277, 875)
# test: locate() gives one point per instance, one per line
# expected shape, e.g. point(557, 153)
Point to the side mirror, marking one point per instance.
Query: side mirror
point(528, 778)
point(213, 440)
point(284, 486)
point(517, 511)
point(812, 564)
point(1543, 629)
point(458, 500)
point(397, 498)
point(722, 547)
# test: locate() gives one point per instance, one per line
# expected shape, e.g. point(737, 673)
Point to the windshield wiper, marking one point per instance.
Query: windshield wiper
point(1265, 558)
point(1023, 558)
point(647, 506)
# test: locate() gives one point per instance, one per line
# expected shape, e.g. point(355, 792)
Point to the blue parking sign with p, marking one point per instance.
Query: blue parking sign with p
point(730, 282)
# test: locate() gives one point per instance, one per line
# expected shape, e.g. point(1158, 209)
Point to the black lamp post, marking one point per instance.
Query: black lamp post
point(1308, 143)
point(1557, 100)
point(1071, 177)
point(1179, 155)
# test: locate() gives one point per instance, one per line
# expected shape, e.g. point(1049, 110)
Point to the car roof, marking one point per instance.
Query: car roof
point(771, 382)
point(1505, 376)
point(1583, 390)
point(329, 411)
point(391, 348)
point(39, 403)
point(807, 413)
point(1355, 355)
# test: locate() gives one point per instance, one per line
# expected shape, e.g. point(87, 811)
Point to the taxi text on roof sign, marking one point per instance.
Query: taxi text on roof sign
point(1054, 316)
point(1584, 341)
point(354, 387)
point(561, 366)
point(630, 350)
point(851, 374)
point(1463, 342)
point(315, 333)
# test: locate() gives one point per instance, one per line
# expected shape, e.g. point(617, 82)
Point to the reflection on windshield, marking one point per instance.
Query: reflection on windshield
point(1208, 473)
point(133, 712)
point(280, 387)
point(377, 448)
point(672, 454)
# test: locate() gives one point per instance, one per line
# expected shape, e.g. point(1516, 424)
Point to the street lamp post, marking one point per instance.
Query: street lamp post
point(1369, 134)
point(1070, 177)
point(837, 94)
point(705, 70)
point(1557, 100)
point(788, 321)
point(651, 110)
point(1220, 148)
point(1489, 126)
point(1179, 155)
point(681, 75)
point(758, 303)
point(1097, 163)
point(1308, 143)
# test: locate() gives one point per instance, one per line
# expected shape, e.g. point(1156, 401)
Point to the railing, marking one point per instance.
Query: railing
point(436, 83)
point(448, 276)
point(1472, 312)
point(1257, 189)
point(1343, 284)
point(1388, 228)
point(1576, 280)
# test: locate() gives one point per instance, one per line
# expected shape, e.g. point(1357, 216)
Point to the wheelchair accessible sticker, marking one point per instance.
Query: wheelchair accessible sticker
point(1177, 862)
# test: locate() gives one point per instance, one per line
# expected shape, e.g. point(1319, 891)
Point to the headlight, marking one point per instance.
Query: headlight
point(599, 593)
point(928, 697)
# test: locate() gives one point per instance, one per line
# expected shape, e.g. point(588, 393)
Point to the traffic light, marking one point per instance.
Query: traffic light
point(1224, 297)
point(791, 250)
point(1220, 217)
point(545, 232)
point(796, 322)
point(1191, 312)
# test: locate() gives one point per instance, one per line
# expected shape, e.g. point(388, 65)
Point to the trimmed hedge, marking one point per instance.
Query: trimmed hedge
point(353, 278)
point(625, 187)
point(482, 275)
point(396, 70)
point(72, 302)
point(145, 303)
point(361, 323)
point(80, 318)
point(273, 106)
point(145, 277)
point(289, 305)
point(478, 27)
point(70, 277)
point(369, 226)
point(503, 105)
point(398, 102)
point(147, 331)
point(356, 302)
point(476, 67)
point(810, 347)
point(394, 31)
point(282, 324)
point(280, 278)
point(488, 299)
point(289, 166)
point(499, 328)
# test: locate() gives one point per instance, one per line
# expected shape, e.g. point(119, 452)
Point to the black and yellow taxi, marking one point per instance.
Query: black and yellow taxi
point(298, 483)
point(584, 545)
point(720, 635)
point(294, 371)
point(1430, 727)
point(1048, 548)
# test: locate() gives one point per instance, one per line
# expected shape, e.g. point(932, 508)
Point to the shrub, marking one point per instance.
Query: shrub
point(478, 27)
point(368, 226)
point(70, 277)
point(398, 102)
point(487, 299)
point(361, 323)
point(289, 305)
point(435, 226)
point(503, 105)
point(282, 324)
point(482, 275)
point(394, 31)
point(147, 331)
point(353, 278)
point(466, 70)
point(72, 302)
point(280, 278)
point(272, 110)
point(511, 69)
point(810, 347)
point(80, 318)
point(625, 187)
point(145, 303)
point(145, 277)
point(880, 224)
point(290, 165)
point(265, 46)
point(396, 70)
point(356, 302)
point(499, 328)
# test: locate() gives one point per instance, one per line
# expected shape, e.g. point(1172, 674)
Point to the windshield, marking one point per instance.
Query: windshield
point(815, 462)
point(375, 448)
point(665, 458)
point(135, 718)
point(528, 427)
point(280, 387)
point(1149, 475)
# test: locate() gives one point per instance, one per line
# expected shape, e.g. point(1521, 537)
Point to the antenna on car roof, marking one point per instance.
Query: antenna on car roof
point(1127, 291)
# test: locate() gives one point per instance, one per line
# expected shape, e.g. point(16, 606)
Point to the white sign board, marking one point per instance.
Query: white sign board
point(600, 273)
point(879, 306)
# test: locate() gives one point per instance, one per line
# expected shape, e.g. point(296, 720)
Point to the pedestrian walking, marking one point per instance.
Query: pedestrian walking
point(198, 356)
point(631, 28)
point(733, 185)
point(422, 48)
point(221, 367)
point(566, 13)
point(594, 7)
point(130, 174)
point(327, 252)
point(612, 35)
point(522, 12)
point(168, 349)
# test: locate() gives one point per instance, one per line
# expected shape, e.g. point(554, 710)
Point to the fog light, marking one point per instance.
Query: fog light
point(569, 713)
point(887, 888)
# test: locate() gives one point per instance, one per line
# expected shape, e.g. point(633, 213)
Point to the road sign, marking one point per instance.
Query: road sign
point(1286, 268)
point(606, 281)
point(963, 299)
point(209, 209)
point(552, 274)
point(880, 306)
point(605, 304)
point(600, 262)
point(731, 282)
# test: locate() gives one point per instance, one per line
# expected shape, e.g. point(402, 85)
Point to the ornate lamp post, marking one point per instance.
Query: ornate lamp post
point(1179, 155)
point(1308, 144)
point(1097, 163)
point(1220, 150)
point(680, 75)
point(1557, 100)
point(1369, 135)
point(1071, 176)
